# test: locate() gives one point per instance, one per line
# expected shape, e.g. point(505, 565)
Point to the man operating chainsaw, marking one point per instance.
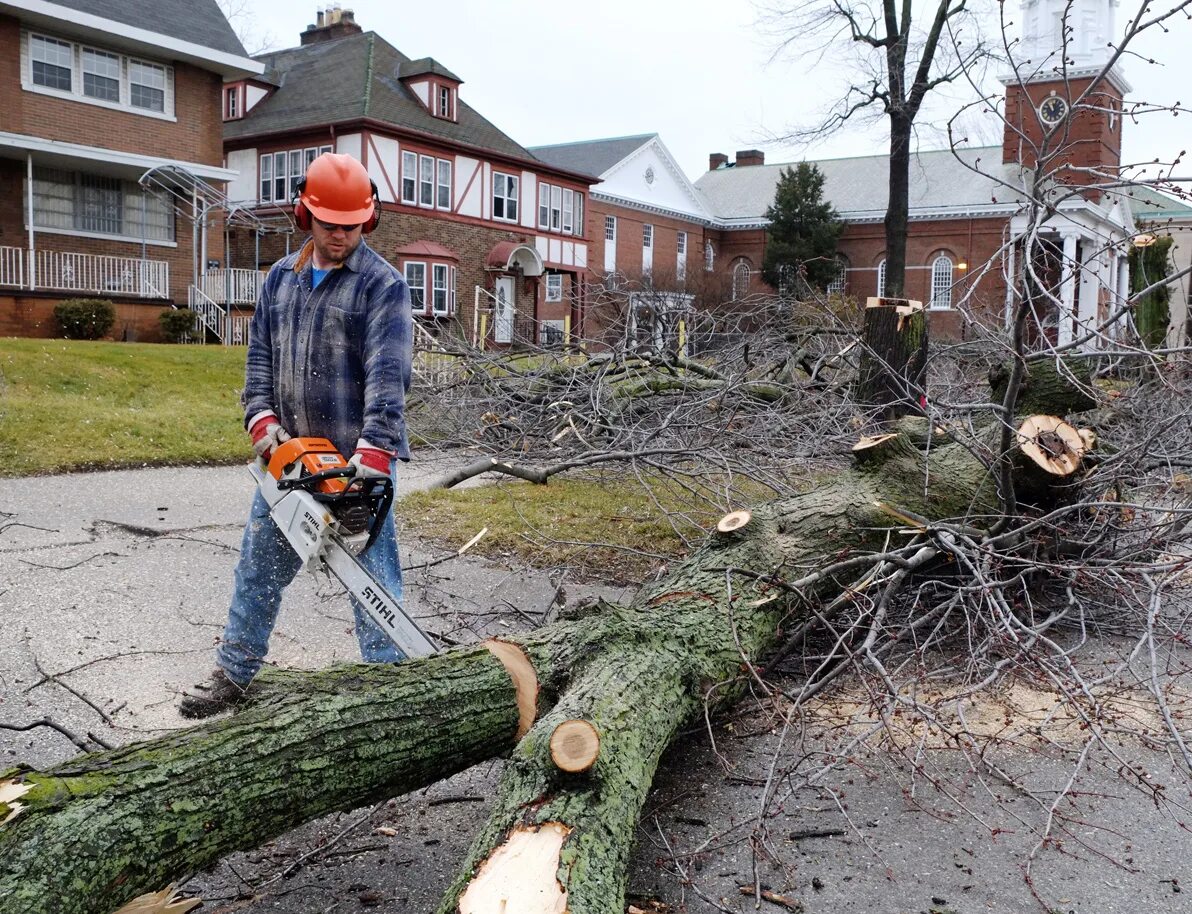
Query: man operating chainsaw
point(328, 356)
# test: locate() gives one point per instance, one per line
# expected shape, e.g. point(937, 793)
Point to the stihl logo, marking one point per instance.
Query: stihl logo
point(378, 603)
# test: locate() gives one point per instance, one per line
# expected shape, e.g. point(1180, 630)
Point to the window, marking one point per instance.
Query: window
point(416, 280)
point(439, 292)
point(105, 77)
point(101, 75)
point(881, 279)
point(266, 178)
point(309, 155)
point(426, 181)
point(681, 256)
point(443, 186)
point(610, 228)
point(941, 282)
point(568, 210)
point(579, 213)
point(505, 197)
point(556, 208)
point(740, 280)
point(647, 249)
point(279, 176)
point(230, 106)
point(451, 304)
point(610, 244)
point(444, 101)
point(552, 333)
point(409, 177)
point(52, 62)
point(147, 87)
point(97, 204)
point(554, 286)
point(839, 282)
point(709, 256)
point(297, 172)
point(543, 206)
point(647, 236)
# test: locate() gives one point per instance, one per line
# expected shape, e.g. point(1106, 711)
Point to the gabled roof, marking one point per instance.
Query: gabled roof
point(357, 76)
point(858, 188)
point(1148, 204)
point(426, 66)
point(200, 22)
point(591, 157)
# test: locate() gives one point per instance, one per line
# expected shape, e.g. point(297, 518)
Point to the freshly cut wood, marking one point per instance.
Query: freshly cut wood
point(893, 372)
point(525, 680)
point(733, 521)
point(164, 902)
point(521, 875)
point(1052, 444)
point(575, 746)
point(869, 447)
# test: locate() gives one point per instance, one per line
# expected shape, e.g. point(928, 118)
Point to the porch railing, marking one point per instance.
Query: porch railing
point(102, 274)
point(232, 287)
point(12, 267)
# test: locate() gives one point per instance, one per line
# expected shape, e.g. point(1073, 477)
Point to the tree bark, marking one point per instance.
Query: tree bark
point(93, 833)
point(893, 370)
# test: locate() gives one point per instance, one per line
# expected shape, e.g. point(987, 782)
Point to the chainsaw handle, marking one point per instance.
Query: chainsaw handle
point(309, 482)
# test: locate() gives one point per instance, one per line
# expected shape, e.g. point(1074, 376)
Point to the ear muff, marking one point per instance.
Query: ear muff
point(301, 213)
point(302, 217)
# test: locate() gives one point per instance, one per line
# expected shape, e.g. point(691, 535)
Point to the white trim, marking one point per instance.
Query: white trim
point(98, 102)
point(109, 156)
point(123, 239)
point(224, 63)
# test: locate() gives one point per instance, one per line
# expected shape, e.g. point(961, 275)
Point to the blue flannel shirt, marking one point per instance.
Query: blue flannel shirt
point(333, 362)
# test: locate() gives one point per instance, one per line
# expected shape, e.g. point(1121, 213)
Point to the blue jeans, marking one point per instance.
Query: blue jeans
point(267, 564)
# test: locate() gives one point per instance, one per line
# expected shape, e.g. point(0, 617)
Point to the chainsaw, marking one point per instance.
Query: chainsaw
point(330, 516)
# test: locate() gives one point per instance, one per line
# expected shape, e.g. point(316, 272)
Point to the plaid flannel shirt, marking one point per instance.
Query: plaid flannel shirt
point(333, 362)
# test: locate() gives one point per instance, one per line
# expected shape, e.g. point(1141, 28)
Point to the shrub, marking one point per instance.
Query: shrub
point(176, 323)
point(85, 318)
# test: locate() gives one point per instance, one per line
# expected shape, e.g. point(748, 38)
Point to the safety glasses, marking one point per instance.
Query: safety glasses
point(332, 227)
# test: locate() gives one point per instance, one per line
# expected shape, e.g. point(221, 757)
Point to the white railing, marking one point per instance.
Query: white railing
point(102, 274)
point(12, 267)
point(209, 315)
point(233, 287)
point(238, 329)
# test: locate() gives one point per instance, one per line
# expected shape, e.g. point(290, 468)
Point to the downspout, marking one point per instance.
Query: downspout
point(32, 253)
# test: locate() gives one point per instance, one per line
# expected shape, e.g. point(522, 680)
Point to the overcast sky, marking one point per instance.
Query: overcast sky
point(701, 74)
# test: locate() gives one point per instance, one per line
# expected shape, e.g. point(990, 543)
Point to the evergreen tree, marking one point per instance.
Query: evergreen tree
point(803, 232)
point(1151, 313)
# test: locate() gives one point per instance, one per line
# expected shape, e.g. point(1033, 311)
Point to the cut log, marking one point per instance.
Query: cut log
point(88, 836)
point(1048, 461)
point(575, 746)
point(1047, 389)
point(734, 520)
point(893, 371)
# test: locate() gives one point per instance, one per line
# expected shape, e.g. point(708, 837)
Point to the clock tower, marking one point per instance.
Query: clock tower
point(1065, 44)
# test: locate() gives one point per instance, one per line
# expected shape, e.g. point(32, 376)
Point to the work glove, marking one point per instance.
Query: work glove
point(370, 460)
point(267, 434)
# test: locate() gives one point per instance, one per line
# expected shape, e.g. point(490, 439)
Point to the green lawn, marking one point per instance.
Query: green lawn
point(70, 405)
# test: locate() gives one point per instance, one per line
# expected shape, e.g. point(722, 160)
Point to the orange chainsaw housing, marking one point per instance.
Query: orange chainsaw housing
point(314, 455)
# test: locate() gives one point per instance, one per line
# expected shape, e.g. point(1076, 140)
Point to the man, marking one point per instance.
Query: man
point(328, 356)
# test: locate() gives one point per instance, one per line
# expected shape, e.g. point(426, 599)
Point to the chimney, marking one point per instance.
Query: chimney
point(331, 23)
point(750, 157)
point(717, 159)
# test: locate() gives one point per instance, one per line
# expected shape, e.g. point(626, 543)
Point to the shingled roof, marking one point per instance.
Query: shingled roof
point(591, 157)
point(357, 76)
point(199, 22)
point(858, 187)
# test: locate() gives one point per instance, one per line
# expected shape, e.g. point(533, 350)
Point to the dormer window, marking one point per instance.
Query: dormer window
point(446, 103)
point(231, 103)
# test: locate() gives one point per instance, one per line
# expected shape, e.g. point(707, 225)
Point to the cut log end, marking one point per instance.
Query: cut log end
point(525, 681)
point(734, 521)
point(164, 902)
point(575, 746)
point(1052, 444)
point(521, 875)
point(871, 447)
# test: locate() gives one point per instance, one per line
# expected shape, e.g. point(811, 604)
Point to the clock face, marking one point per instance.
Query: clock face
point(1052, 110)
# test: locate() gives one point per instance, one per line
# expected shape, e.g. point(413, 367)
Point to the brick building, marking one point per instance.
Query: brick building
point(95, 94)
point(491, 240)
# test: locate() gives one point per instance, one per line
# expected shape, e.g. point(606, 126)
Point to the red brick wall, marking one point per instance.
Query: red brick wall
point(629, 241)
point(31, 314)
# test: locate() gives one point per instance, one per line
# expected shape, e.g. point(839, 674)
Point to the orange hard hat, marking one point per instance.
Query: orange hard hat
point(337, 189)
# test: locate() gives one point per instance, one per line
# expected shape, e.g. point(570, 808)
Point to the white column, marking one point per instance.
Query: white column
point(1092, 278)
point(1010, 281)
point(1068, 268)
point(29, 216)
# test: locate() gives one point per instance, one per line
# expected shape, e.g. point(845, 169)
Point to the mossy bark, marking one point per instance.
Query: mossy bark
point(107, 827)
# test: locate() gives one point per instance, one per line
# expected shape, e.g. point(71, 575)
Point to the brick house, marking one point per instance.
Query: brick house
point(491, 240)
point(965, 218)
point(96, 93)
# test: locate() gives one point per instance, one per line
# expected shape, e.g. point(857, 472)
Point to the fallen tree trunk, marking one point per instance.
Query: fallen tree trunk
point(91, 834)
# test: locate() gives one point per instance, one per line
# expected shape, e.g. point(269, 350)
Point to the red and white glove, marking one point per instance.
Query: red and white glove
point(267, 434)
point(370, 460)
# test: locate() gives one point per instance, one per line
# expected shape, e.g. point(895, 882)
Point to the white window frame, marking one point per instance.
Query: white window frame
point(451, 304)
point(839, 282)
point(96, 206)
point(579, 214)
point(942, 272)
point(420, 287)
point(63, 51)
point(543, 205)
point(508, 197)
point(568, 211)
point(647, 235)
point(741, 273)
point(681, 255)
point(554, 287)
point(610, 229)
point(647, 249)
point(108, 58)
point(409, 177)
point(232, 103)
point(426, 181)
point(610, 243)
point(164, 88)
point(556, 208)
point(265, 170)
point(76, 92)
point(709, 256)
point(446, 103)
point(881, 278)
point(443, 184)
point(440, 290)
